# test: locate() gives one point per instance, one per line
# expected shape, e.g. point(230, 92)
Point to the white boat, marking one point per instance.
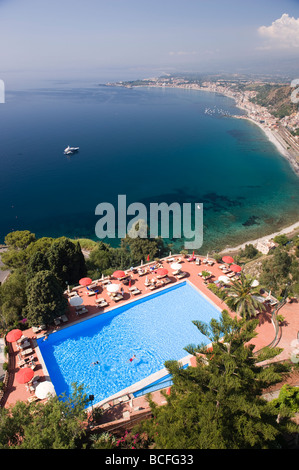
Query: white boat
point(70, 150)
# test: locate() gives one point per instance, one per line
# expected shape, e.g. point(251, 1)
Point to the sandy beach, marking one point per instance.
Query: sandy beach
point(274, 138)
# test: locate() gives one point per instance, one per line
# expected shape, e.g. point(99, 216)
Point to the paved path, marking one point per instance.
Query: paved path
point(3, 274)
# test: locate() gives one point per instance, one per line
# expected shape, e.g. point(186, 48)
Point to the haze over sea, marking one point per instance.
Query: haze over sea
point(151, 144)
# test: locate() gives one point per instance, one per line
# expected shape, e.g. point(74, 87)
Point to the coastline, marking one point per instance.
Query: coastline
point(273, 138)
point(290, 230)
point(270, 134)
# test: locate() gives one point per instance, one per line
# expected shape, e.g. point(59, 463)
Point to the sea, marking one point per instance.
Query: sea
point(152, 145)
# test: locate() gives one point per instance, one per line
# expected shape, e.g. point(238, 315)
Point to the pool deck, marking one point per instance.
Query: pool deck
point(286, 339)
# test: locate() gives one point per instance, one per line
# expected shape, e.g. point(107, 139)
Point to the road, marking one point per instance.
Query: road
point(3, 274)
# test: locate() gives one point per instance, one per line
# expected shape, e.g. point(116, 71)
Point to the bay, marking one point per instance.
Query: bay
point(150, 144)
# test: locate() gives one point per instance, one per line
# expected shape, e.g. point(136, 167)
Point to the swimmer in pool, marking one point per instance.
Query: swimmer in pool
point(133, 357)
point(94, 363)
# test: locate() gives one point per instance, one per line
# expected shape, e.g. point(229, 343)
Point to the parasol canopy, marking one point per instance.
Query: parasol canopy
point(76, 301)
point(118, 274)
point(113, 287)
point(44, 389)
point(162, 271)
point(224, 279)
point(24, 375)
point(85, 281)
point(235, 268)
point(13, 335)
point(228, 259)
point(176, 266)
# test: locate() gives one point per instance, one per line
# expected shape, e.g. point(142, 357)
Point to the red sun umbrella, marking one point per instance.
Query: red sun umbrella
point(13, 335)
point(85, 281)
point(162, 271)
point(24, 375)
point(227, 259)
point(148, 257)
point(118, 274)
point(235, 268)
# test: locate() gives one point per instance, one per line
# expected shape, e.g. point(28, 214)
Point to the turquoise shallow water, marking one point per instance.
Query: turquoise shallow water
point(155, 329)
point(154, 145)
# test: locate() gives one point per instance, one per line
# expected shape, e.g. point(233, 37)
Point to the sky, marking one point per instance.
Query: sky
point(115, 39)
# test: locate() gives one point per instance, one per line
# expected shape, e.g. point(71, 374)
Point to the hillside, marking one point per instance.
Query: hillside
point(276, 98)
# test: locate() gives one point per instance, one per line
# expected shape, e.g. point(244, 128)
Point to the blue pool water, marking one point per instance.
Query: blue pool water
point(155, 329)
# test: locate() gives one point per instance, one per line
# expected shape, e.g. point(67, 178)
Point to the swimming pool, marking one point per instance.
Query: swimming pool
point(155, 328)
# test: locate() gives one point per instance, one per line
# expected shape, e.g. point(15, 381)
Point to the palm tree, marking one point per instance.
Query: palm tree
point(240, 297)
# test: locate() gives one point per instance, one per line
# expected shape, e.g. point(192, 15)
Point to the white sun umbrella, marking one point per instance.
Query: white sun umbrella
point(224, 279)
point(113, 288)
point(45, 389)
point(255, 283)
point(76, 301)
point(176, 266)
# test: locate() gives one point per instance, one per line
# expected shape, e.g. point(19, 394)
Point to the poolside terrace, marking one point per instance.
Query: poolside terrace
point(139, 282)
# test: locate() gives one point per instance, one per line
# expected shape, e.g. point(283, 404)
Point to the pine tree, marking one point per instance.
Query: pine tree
point(45, 300)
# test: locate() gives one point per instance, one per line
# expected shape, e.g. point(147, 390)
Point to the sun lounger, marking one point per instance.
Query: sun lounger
point(72, 294)
point(23, 338)
point(197, 261)
point(117, 298)
point(92, 292)
point(124, 398)
point(106, 406)
point(64, 318)
point(135, 291)
point(36, 329)
point(25, 345)
point(82, 310)
point(34, 379)
point(103, 304)
point(175, 273)
point(181, 275)
point(26, 351)
point(57, 321)
point(32, 399)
